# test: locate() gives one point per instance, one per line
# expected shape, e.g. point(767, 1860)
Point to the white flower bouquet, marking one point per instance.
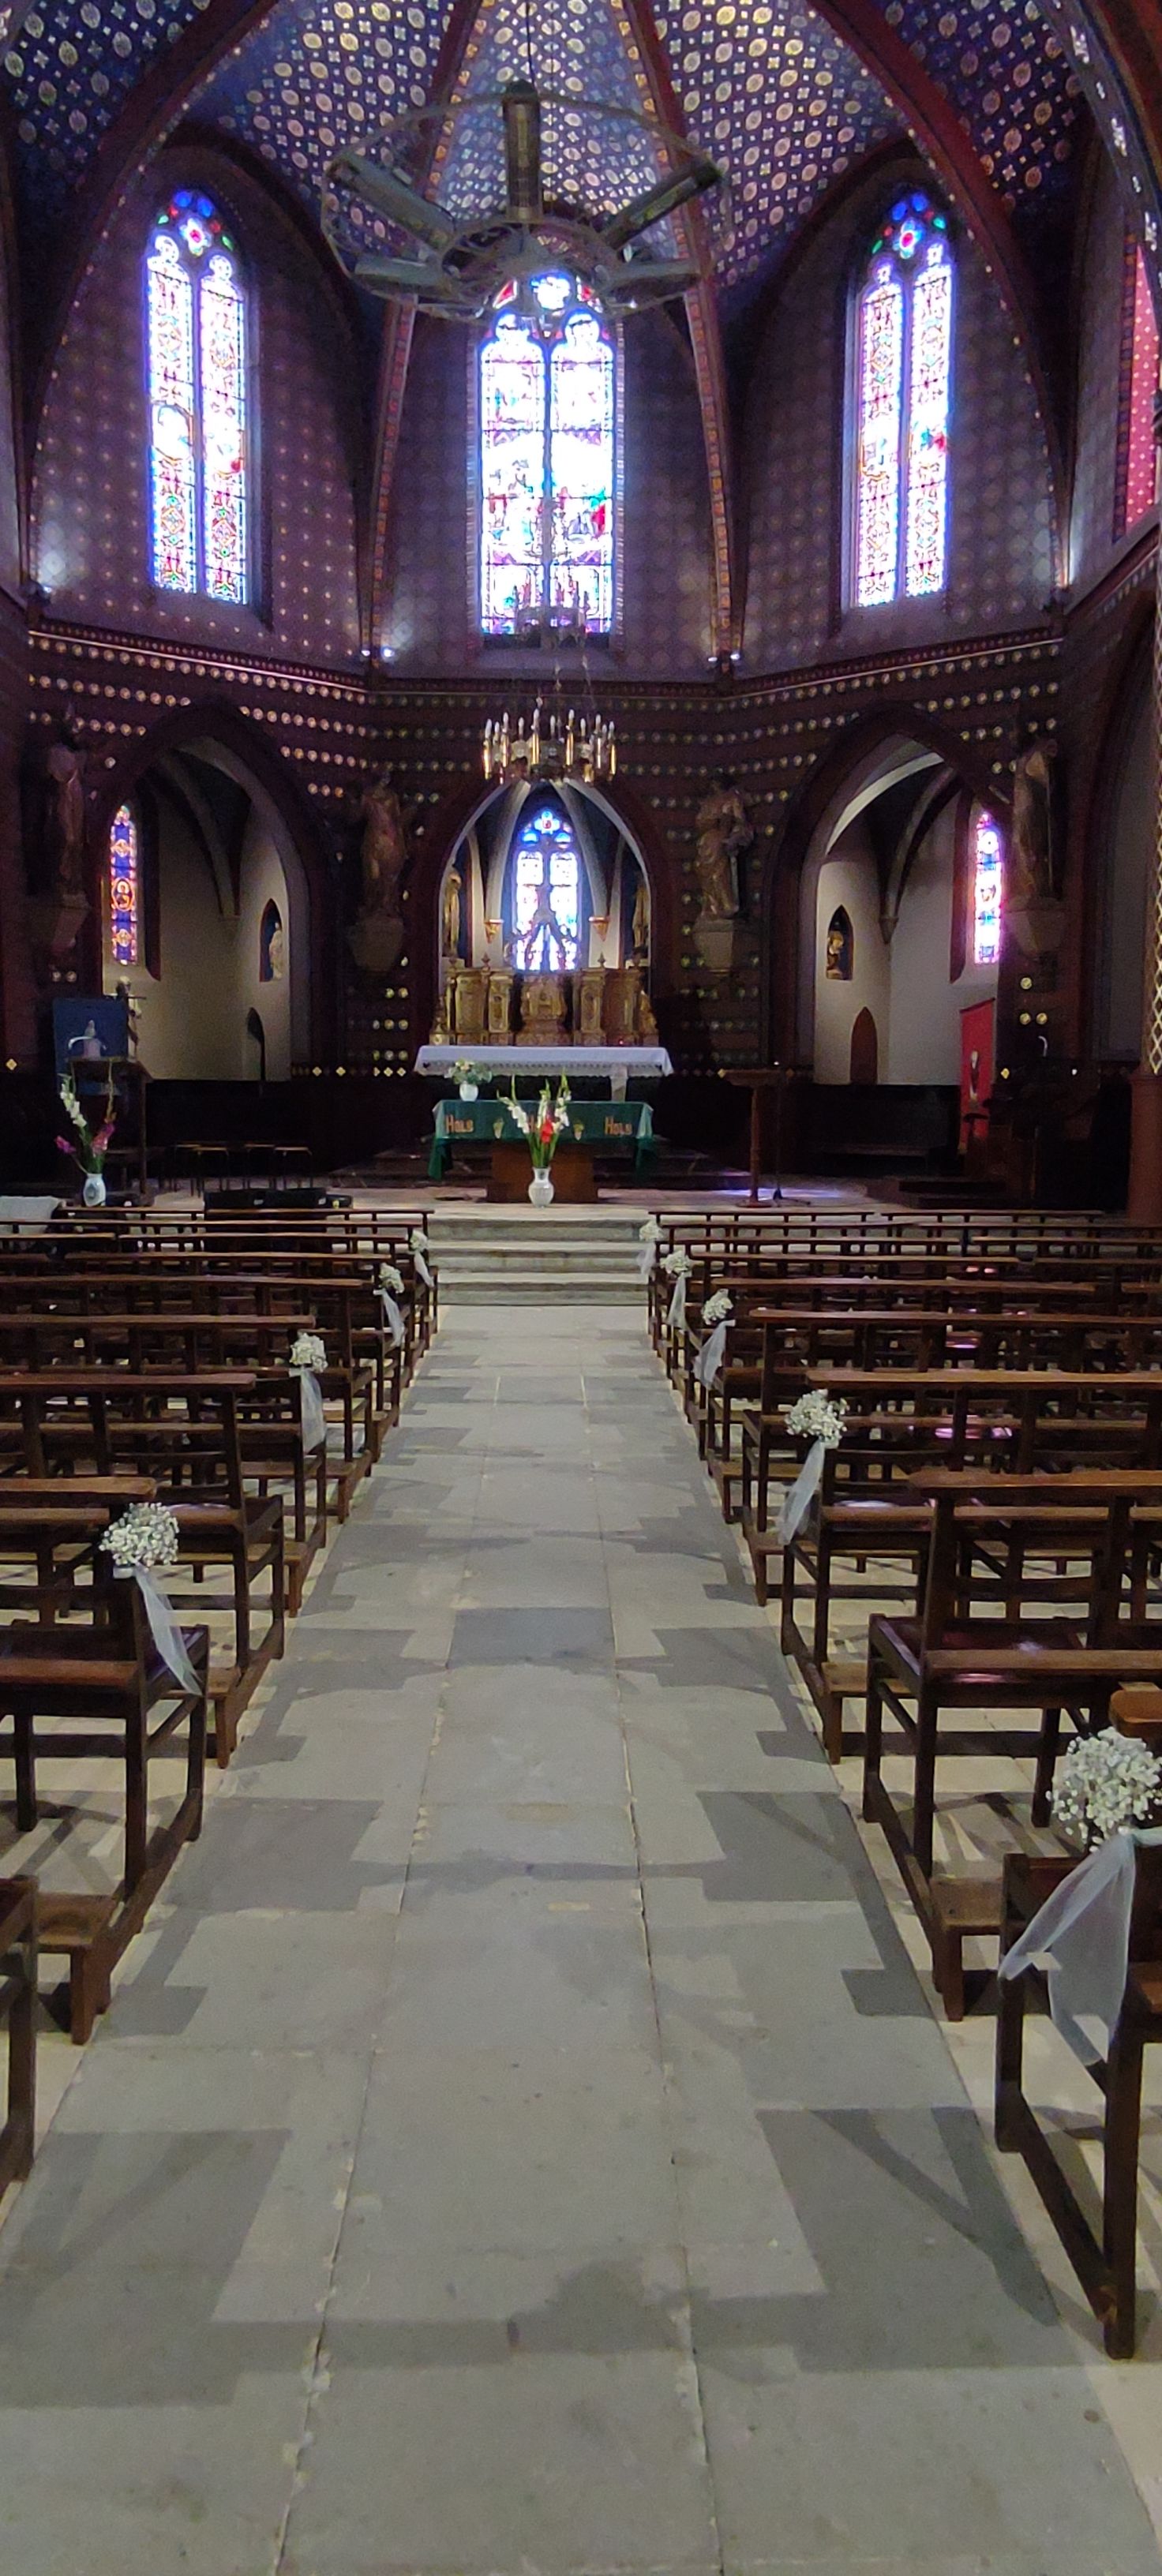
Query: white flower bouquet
point(677, 1264)
point(649, 1231)
point(1106, 1783)
point(418, 1241)
point(141, 1538)
point(391, 1278)
point(308, 1351)
point(817, 1416)
point(719, 1308)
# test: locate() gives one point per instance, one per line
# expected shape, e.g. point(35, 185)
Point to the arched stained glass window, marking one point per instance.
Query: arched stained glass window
point(987, 889)
point(125, 888)
point(196, 368)
point(1139, 384)
point(547, 460)
point(903, 378)
point(546, 893)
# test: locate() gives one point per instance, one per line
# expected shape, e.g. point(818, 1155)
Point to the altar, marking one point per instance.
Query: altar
point(619, 1064)
point(594, 1125)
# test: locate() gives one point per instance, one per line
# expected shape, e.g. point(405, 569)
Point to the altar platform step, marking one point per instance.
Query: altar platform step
point(537, 1256)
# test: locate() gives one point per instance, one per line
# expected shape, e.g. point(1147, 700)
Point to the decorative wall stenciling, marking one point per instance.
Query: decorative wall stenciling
point(1134, 494)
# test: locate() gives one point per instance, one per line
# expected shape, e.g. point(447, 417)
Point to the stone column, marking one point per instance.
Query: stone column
point(1145, 1199)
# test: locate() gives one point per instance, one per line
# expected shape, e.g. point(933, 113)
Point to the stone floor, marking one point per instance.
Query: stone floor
point(523, 2144)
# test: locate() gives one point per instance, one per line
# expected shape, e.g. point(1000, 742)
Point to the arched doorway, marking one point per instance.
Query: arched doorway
point(205, 918)
point(545, 879)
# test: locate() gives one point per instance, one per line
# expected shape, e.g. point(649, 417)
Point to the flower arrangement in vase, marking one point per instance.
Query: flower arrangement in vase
point(87, 1145)
point(542, 1129)
point(466, 1076)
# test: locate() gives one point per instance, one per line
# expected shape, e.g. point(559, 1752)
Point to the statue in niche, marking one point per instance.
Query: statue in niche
point(450, 917)
point(722, 831)
point(639, 935)
point(840, 957)
point(1032, 853)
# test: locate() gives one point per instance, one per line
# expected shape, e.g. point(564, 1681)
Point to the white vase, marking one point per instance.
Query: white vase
point(541, 1189)
point(93, 1193)
point(469, 1091)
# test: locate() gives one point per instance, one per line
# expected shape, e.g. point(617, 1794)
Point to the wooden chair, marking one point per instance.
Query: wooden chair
point(18, 2013)
point(1106, 2266)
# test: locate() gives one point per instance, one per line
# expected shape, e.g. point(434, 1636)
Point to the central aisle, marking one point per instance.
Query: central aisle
point(523, 2145)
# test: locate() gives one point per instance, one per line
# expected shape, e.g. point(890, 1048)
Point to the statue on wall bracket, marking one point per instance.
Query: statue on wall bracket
point(59, 906)
point(722, 831)
point(1034, 911)
point(376, 936)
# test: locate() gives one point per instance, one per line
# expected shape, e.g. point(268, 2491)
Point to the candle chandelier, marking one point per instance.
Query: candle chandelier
point(565, 746)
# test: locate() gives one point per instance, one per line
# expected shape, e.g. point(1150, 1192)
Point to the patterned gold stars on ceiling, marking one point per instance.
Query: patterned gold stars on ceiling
point(69, 70)
point(773, 94)
point(320, 74)
point(1008, 78)
point(578, 50)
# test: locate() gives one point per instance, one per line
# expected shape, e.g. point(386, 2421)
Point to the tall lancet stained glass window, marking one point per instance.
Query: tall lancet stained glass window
point(545, 893)
point(125, 888)
point(903, 380)
point(547, 409)
point(196, 369)
point(987, 889)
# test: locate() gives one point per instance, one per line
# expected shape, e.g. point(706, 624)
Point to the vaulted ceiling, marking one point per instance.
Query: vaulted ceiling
point(787, 97)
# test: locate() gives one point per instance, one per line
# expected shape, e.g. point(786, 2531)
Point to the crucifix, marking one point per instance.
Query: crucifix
point(544, 922)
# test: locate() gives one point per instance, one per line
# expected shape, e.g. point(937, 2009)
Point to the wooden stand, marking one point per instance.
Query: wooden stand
point(758, 1080)
point(573, 1181)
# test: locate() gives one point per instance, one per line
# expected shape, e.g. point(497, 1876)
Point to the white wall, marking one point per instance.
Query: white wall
point(848, 877)
point(926, 1006)
point(905, 985)
point(192, 1016)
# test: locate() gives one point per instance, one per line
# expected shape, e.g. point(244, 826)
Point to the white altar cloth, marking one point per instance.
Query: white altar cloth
point(644, 1063)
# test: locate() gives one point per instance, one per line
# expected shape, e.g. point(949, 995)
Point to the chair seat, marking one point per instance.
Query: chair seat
point(959, 1646)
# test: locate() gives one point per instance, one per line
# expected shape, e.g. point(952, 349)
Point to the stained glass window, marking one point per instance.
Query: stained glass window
point(903, 376)
point(125, 888)
point(987, 875)
point(196, 366)
point(547, 460)
point(1135, 492)
point(546, 893)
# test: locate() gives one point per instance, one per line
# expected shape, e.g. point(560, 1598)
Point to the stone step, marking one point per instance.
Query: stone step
point(537, 1288)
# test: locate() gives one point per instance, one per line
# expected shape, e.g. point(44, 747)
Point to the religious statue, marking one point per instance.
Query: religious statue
point(450, 916)
point(722, 831)
point(377, 935)
point(64, 821)
point(383, 850)
point(838, 963)
point(1032, 854)
point(640, 925)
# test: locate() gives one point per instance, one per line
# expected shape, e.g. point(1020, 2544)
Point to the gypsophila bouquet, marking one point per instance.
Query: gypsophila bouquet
point(1106, 1783)
point(817, 1416)
point(650, 1231)
point(677, 1264)
point(391, 1278)
point(145, 1535)
point(418, 1241)
point(308, 1351)
point(719, 1308)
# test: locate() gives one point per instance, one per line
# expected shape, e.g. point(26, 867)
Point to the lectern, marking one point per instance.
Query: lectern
point(759, 1080)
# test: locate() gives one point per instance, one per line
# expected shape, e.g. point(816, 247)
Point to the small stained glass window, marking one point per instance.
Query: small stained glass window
point(903, 382)
point(125, 888)
point(547, 396)
point(546, 893)
point(987, 889)
point(196, 367)
point(1135, 480)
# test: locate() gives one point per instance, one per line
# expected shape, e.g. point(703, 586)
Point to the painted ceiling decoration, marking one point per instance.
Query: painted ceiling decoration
point(772, 92)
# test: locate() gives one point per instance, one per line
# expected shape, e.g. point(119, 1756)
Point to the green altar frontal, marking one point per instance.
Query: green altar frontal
point(610, 1124)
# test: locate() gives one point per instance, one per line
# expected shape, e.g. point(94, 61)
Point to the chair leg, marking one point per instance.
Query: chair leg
point(873, 1738)
point(1010, 2058)
point(1047, 1751)
point(1120, 2211)
point(24, 1759)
